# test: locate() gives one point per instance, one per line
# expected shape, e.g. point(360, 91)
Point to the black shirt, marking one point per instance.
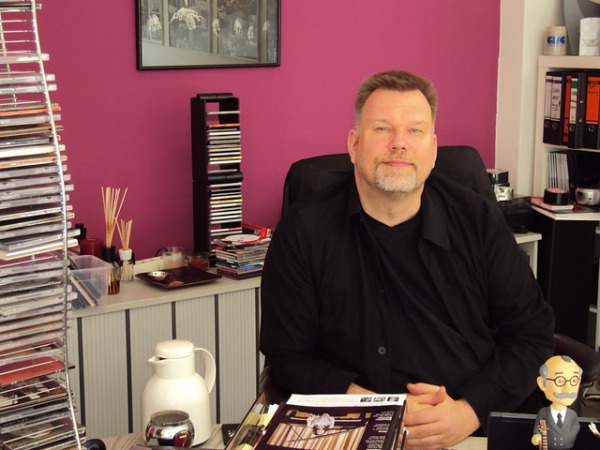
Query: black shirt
point(416, 311)
point(327, 319)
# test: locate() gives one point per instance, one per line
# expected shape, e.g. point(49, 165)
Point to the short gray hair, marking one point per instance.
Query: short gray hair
point(394, 80)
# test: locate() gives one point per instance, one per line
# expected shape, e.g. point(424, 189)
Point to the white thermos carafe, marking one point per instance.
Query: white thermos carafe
point(175, 385)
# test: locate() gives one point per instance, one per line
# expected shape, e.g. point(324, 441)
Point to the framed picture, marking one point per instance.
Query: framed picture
point(185, 34)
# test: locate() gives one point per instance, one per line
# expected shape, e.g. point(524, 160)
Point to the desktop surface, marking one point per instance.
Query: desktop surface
point(514, 431)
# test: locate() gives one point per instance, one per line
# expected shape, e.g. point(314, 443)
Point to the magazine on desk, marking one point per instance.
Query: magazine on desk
point(349, 422)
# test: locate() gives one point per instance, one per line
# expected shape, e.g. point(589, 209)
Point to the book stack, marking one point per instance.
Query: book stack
point(241, 256)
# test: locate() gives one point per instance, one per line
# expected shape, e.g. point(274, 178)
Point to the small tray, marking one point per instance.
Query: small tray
point(181, 277)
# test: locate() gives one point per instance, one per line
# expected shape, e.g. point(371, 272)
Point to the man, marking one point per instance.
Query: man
point(397, 280)
point(559, 381)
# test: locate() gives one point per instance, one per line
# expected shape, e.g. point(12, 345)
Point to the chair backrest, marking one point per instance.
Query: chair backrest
point(460, 163)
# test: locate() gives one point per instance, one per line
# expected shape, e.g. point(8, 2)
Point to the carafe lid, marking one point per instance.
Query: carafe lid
point(169, 418)
point(175, 348)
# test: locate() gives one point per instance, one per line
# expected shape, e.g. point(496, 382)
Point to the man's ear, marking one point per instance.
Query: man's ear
point(435, 150)
point(352, 144)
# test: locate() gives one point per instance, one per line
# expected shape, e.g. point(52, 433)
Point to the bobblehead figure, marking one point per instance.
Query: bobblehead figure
point(556, 426)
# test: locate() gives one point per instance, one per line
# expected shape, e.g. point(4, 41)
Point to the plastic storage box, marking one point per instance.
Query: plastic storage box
point(89, 280)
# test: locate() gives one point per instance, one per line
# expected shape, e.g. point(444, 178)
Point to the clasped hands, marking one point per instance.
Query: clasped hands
point(433, 419)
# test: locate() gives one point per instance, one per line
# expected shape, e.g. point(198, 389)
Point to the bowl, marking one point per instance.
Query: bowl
point(158, 275)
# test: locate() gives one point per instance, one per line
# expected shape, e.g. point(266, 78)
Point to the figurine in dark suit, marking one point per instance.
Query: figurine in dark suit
point(559, 380)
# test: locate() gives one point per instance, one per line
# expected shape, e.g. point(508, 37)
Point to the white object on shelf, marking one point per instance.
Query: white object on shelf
point(589, 37)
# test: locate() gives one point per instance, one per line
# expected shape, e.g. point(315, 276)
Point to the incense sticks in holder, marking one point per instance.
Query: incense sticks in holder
point(125, 253)
point(114, 281)
point(112, 202)
point(127, 264)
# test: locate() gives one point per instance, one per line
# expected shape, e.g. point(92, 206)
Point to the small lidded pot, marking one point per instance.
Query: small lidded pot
point(172, 428)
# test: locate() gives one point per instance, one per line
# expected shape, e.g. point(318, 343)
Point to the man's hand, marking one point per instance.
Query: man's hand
point(435, 420)
point(356, 389)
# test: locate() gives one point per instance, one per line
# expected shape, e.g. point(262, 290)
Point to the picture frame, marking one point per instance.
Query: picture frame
point(192, 34)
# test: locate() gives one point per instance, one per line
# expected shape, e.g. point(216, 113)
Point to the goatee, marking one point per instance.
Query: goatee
point(395, 183)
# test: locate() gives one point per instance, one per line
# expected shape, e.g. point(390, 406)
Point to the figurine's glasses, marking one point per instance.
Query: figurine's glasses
point(561, 381)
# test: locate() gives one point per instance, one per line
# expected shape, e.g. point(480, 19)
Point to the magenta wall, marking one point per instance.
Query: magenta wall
point(129, 128)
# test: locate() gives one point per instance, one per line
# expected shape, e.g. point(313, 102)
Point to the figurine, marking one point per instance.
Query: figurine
point(556, 426)
point(320, 424)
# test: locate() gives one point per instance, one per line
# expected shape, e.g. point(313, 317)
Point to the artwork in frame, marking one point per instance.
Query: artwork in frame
point(185, 34)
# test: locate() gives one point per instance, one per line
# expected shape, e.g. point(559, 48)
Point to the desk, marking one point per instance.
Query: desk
point(566, 267)
point(215, 442)
point(125, 441)
point(110, 345)
point(471, 443)
point(528, 242)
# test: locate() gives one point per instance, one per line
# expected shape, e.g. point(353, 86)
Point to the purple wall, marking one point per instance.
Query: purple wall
point(130, 128)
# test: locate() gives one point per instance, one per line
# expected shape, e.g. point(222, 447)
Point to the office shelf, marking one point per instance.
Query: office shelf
point(566, 258)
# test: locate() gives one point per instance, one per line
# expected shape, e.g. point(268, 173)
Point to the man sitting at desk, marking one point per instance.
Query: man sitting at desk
point(396, 277)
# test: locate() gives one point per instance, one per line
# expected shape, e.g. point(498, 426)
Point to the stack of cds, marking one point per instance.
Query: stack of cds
point(241, 256)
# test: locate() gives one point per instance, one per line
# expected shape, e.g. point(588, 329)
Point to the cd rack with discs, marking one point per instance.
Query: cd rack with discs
point(216, 168)
point(36, 403)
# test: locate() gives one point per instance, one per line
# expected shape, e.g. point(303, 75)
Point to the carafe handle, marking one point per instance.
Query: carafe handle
point(210, 369)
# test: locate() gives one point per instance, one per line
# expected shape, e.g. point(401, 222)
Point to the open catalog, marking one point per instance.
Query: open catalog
point(326, 422)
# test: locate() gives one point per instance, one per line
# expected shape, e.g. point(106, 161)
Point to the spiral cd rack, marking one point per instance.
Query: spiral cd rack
point(36, 403)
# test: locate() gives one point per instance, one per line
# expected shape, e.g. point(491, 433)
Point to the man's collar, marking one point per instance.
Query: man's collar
point(434, 225)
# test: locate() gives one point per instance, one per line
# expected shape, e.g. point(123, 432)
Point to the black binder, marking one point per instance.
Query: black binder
point(577, 110)
point(591, 136)
point(566, 106)
point(553, 107)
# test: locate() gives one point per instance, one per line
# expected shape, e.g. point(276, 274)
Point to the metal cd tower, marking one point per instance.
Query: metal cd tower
point(36, 406)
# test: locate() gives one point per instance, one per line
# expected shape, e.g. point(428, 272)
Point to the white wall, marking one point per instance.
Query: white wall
point(522, 27)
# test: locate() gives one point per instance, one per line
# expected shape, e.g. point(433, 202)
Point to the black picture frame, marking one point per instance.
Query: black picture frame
point(193, 34)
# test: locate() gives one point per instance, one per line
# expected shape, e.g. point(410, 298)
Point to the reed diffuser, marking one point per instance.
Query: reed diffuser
point(125, 253)
point(112, 202)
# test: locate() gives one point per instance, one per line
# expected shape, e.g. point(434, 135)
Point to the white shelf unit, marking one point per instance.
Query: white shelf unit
point(37, 410)
point(545, 64)
point(541, 149)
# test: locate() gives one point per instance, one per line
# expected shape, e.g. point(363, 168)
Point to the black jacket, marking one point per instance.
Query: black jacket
point(325, 320)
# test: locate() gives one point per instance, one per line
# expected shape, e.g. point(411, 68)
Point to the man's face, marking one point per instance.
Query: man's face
point(561, 372)
point(395, 147)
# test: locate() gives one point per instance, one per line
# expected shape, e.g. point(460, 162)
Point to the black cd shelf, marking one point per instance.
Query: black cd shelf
point(216, 168)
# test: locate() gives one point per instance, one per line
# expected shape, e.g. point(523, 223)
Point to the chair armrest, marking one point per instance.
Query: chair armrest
point(583, 355)
point(273, 394)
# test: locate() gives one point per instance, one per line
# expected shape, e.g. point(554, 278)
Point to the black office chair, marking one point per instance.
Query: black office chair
point(463, 165)
point(460, 163)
